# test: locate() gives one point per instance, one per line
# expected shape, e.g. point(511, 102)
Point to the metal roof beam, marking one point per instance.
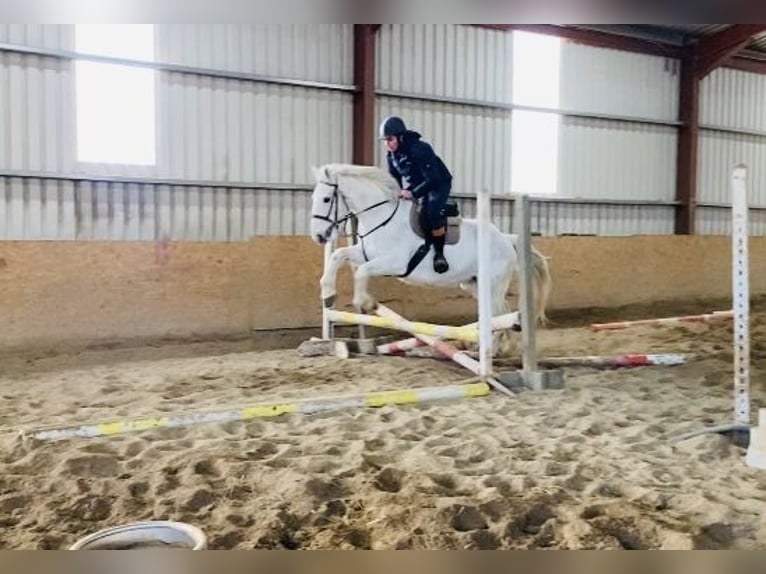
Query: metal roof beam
point(594, 38)
point(364, 96)
point(717, 49)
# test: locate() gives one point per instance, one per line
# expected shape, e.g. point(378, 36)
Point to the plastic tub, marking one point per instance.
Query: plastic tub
point(154, 534)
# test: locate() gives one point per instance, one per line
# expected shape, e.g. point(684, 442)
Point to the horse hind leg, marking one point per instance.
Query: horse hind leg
point(504, 342)
point(470, 287)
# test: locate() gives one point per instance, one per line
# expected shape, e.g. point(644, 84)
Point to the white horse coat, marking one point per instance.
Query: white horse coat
point(387, 242)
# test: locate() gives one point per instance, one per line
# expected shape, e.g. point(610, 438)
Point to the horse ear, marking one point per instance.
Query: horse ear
point(315, 172)
point(327, 172)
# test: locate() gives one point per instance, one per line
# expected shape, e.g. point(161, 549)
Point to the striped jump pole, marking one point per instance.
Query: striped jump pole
point(703, 318)
point(401, 324)
point(507, 321)
point(594, 361)
point(620, 361)
point(460, 357)
point(263, 410)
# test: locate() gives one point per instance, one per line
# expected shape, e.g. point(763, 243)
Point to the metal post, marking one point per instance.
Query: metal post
point(327, 326)
point(526, 295)
point(484, 286)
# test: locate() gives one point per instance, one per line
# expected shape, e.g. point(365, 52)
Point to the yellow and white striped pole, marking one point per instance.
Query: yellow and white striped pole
point(470, 334)
point(263, 410)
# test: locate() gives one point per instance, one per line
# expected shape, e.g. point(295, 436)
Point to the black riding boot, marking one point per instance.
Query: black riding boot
point(440, 263)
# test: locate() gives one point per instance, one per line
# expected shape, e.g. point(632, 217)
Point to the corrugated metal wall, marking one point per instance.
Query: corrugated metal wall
point(36, 113)
point(611, 82)
point(733, 119)
point(630, 157)
point(422, 67)
point(733, 99)
point(254, 106)
point(40, 209)
point(240, 131)
point(603, 159)
point(445, 60)
point(245, 145)
point(474, 142)
point(312, 52)
point(51, 36)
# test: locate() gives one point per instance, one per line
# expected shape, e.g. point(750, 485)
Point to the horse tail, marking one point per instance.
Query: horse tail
point(542, 284)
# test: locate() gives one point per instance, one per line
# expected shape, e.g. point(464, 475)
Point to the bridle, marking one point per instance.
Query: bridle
point(332, 213)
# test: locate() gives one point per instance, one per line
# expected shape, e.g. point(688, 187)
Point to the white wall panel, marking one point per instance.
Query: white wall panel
point(36, 113)
point(48, 209)
point(445, 60)
point(51, 36)
point(551, 218)
point(719, 153)
point(605, 81)
point(601, 159)
point(714, 221)
point(733, 99)
point(316, 52)
point(475, 143)
point(235, 131)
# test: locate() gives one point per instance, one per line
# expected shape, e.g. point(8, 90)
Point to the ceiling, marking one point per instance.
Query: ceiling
point(677, 35)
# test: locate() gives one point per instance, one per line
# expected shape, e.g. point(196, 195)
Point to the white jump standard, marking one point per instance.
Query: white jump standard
point(740, 430)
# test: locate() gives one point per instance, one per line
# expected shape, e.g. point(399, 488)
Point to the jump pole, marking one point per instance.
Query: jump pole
point(482, 367)
point(703, 318)
point(261, 410)
point(740, 429)
point(507, 321)
point(401, 324)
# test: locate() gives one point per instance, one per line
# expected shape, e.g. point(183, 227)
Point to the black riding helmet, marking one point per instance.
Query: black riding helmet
point(391, 126)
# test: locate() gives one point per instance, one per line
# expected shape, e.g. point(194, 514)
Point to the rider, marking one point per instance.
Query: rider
point(421, 175)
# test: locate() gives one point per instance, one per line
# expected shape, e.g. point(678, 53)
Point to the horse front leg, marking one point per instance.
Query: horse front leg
point(363, 300)
point(328, 281)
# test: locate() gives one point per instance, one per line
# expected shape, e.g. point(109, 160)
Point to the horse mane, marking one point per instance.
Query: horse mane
point(370, 173)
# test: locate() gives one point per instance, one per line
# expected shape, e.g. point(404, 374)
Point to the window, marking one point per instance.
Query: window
point(535, 135)
point(115, 104)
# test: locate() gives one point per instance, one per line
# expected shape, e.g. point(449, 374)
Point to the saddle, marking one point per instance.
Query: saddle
point(454, 220)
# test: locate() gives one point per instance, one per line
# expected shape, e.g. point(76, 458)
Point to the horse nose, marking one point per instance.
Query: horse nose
point(321, 238)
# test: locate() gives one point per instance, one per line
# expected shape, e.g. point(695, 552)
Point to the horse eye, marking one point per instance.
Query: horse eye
point(327, 200)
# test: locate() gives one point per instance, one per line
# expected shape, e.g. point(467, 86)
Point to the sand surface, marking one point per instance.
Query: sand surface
point(589, 466)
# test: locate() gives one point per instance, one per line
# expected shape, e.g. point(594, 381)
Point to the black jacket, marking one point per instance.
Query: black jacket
point(416, 167)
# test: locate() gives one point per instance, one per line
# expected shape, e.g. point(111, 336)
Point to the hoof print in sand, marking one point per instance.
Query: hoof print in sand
point(625, 532)
point(91, 508)
point(467, 518)
point(205, 468)
point(323, 489)
point(529, 522)
point(200, 499)
point(359, 538)
point(90, 466)
point(483, 540)
point(227, 541)
point(389, 480)
point(138, 489)
point(716, 536)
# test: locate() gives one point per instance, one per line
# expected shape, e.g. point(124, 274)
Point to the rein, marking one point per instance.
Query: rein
point(336, 222)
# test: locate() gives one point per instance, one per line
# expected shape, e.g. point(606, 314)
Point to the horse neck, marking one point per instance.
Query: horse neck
point(363, 195)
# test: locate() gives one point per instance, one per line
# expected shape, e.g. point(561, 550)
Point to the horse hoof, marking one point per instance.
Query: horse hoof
point(329, 302)
point(370, 308)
